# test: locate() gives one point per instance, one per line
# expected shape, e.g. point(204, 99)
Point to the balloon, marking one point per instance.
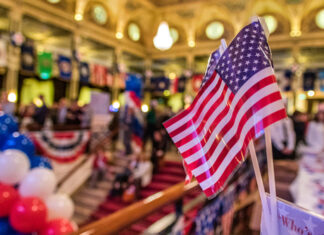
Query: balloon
point(59, 206)
point(39, 161)
point(28, 215)
point(57, 227)
point(9, 121)
point(8, 197)
point(39, 182)
point(6, 229)
point(20, 142)
point(14, 165)
point(4, 134)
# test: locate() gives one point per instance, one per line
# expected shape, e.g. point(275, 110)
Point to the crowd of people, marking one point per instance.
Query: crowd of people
point(39, 114)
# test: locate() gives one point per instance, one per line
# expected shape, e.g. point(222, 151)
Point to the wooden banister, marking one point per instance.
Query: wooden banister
point(137, 211)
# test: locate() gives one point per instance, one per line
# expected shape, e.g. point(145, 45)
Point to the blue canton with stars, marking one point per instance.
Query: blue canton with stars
point(248, 54)
point(212, 63)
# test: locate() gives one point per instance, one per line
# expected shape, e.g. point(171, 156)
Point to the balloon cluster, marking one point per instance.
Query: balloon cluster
point(27, 184)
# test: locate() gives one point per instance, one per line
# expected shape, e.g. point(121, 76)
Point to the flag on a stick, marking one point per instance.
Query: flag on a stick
point(239, 100)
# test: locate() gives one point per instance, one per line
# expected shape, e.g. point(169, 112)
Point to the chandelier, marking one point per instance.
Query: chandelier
point(163, 40)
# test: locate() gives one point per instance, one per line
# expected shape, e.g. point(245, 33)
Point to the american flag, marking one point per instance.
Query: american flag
point(239, 100)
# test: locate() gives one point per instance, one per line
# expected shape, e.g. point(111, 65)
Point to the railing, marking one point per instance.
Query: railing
point(137, 211)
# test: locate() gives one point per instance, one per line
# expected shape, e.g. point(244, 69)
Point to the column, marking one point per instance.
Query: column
point(15, 24)
point(74, 84)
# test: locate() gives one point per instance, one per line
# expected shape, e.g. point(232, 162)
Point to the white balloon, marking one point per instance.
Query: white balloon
point(39, 182)
point(59, 206)
point(14, 165)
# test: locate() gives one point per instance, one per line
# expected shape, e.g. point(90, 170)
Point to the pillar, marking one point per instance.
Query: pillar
point(74, 84)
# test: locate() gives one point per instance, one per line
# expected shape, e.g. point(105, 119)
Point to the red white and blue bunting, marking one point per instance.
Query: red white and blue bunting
point(62, 146)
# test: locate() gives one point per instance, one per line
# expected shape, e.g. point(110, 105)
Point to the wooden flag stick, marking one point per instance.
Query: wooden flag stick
point(272, 183)
point(259, 181)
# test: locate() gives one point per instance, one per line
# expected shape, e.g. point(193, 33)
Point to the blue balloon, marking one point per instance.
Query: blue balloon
point(39, 161)
point(6, 229)
point(4, 134)
point(9, 121)
point(20, 142)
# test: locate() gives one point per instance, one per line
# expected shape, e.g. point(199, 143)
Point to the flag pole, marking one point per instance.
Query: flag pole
point(259, 181)
point(271, 175)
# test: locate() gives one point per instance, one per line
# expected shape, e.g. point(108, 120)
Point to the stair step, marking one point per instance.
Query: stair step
point(147, 192)
point(104, 185)
point(157, 186)
point(168, 209)
point(154, 217)
point(173, 171)
point(89, 202)
point(140, 227)
point(79, 219)
point(83, 211)
point(94, 192)
point(113, 206)
point(173, 164)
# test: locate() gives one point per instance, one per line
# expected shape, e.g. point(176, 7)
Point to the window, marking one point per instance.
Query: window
point(134, 32)
point(214, 30)
point(271, 22)
point(100, 14)
point(320, 19)
point(174, 35)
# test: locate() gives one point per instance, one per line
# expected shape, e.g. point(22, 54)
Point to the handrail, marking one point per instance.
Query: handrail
point(137, 211)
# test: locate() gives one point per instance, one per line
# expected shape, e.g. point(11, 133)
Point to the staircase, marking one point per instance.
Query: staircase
point(88, 198)
point(170, 174)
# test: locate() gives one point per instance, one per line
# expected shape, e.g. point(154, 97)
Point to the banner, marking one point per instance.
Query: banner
point(3, 52)
point(28, 57)
point(295, 220)
point(160, 84)
point(196, 81)
point(309, 80)
point(65, 67)
point(321, 79)
point(284, 79)
point(84, 72)
point(100, 75)
point(44, 65)
point(62, 146)
point(99, 102)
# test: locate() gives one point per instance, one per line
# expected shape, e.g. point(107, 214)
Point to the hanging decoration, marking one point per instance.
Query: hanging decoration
point(28, 57)
point(197, 81)
point(84, 72)
point(100, 75)
point(160, 84)
point(309, 80)
point(63, 146)
point(65, 67)
point(44, 65)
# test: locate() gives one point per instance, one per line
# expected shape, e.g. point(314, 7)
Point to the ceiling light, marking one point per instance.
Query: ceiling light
point(78, 16)
point(119, 35)
point(163, 40)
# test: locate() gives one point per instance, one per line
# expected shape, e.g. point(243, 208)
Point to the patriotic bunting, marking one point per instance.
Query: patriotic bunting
point(65, 67)
point(100, 75)
point(64, 146)
point(233, 107)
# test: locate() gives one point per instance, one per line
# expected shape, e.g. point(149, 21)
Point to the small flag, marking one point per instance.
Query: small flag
point(84, 72)
point(44, 65)
point(212, 62)
point(65, 67)
point(28, 57)
point(236, 104)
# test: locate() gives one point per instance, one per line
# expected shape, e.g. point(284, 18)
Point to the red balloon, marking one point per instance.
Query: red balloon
point(57, 227)
point(28, 215)
point(8, 197)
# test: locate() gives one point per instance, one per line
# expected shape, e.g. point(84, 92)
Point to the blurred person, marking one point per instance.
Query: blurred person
point(315, 131)
point(86, 116)
point(27, 113)
point(41, 112)
point(127, 128)
point(114, 130)
point(158, 149)
point(99, 166)
point(283, 139)
point(151, 120)
point(74, 114)
point(62, 111)
point(300, 120)
point(6, 106)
